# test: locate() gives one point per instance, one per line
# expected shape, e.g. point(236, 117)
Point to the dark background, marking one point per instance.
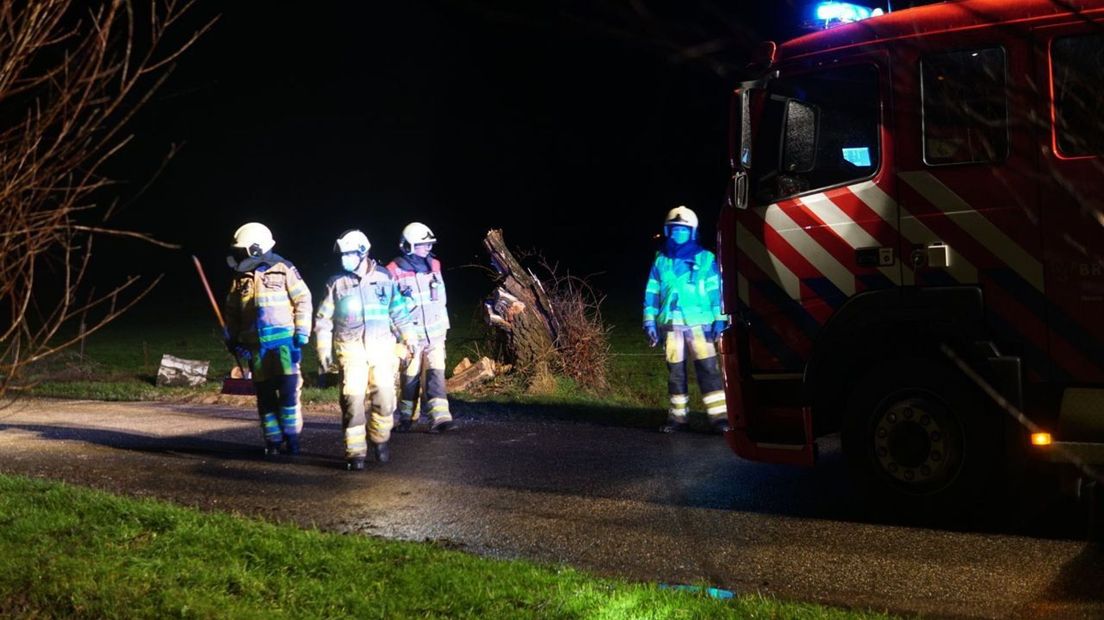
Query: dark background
point(574, 126)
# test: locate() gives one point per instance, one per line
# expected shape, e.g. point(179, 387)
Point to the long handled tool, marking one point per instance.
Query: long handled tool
point(230, 385)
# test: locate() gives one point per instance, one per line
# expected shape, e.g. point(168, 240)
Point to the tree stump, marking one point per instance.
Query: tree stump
point(520, 308)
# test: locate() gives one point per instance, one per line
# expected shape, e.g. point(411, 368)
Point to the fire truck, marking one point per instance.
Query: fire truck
point(913, 248)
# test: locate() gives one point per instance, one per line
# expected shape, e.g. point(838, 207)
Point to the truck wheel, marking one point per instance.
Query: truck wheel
point(920, 438)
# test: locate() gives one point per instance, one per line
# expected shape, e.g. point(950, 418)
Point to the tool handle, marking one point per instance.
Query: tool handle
point(214, 306)
point(210, 295)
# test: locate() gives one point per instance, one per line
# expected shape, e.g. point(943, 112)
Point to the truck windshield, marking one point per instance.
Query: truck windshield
point(816, 130)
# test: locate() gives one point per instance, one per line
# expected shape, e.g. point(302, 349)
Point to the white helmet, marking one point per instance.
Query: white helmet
point(681, 216)
point(352, 240)
point(414, 233)
point(255, 238)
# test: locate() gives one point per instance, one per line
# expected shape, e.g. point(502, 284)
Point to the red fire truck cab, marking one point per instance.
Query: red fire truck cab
point(913, 249)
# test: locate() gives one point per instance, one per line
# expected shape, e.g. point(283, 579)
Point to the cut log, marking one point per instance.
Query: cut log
point(521, 309)
point(471, 376)
point(178, 372)
point(462, 366)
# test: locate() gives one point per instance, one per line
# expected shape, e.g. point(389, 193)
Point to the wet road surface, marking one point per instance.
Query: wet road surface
point(616, 501)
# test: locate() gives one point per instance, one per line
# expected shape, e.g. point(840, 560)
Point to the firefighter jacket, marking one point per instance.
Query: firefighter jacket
point(362, 307)
point(423, 291)
point(268, 304)
point(683, 288)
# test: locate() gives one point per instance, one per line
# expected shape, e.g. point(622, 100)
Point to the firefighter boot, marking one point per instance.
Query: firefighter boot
point(442, 426)
point(293, 445)
point(355, 464)
point(720, 425)
point(673, 426)
point(404, 425)
point(272, 448)
point(383, 452)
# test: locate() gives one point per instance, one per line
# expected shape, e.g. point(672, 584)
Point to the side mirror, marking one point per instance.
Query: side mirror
point(762, 57)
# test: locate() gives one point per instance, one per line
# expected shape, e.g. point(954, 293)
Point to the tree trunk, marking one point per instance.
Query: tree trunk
point(520, 308)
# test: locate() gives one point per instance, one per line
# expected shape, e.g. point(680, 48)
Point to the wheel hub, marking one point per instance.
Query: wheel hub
point(910, 442)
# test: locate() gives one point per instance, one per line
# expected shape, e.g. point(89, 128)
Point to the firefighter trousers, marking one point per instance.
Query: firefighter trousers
point(278, 407)
point(367, 389)
point(277, 381)
point(682, 342)
point(430, 358)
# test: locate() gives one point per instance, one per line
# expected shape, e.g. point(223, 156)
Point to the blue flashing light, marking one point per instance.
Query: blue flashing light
point(834, 13)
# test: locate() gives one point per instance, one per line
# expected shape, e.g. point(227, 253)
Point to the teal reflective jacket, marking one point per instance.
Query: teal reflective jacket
point(683, 291)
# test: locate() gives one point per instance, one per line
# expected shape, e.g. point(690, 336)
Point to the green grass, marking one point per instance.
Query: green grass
point(120, 363)
point(67, 552)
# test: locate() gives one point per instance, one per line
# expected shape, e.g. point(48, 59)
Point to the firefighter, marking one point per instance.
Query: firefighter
point(353, 326)
point(268, 322)
point(418, 273)
point(682, 305)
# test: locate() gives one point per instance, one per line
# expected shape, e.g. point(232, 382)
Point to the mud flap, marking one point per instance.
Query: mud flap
point(803, 454)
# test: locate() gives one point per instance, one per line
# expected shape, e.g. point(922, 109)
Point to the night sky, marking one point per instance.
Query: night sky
point(574, 126)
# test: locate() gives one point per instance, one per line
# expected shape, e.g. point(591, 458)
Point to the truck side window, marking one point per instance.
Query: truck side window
point(1075, 68)
point(965, 113)
point(818, 130)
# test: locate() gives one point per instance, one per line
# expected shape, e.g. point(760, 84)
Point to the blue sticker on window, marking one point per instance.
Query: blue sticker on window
point(860, 156)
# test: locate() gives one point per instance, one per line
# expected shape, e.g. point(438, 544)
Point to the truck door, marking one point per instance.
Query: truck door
point(820, 207)
point(1069, 58)
point(967, 180)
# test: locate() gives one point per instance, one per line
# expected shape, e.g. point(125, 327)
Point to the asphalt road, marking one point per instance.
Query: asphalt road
point(616, 501)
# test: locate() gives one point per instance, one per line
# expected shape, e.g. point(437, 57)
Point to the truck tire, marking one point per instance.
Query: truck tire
point(920, 439)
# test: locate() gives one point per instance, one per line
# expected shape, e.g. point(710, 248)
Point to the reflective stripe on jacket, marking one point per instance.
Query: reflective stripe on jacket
point(267, 304)
point(424, 295)
point(683, 291)
point(362, 307)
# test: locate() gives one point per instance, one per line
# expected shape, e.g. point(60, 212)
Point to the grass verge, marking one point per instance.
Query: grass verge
point(72, 552)
point(120, 364)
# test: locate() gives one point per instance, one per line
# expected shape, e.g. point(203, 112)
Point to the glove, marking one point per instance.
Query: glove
point(301, 340)
point(718, 327)
point(653, 335)
point(325, 361)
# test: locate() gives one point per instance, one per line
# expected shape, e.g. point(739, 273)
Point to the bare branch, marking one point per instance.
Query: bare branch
point(72, 75)
point(127, 233)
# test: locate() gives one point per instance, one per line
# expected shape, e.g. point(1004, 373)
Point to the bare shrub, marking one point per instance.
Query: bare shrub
point(580, 336)
point(72, 74)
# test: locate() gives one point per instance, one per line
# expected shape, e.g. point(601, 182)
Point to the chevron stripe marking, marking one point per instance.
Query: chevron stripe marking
point(976, 225)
